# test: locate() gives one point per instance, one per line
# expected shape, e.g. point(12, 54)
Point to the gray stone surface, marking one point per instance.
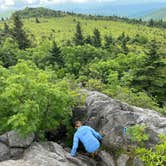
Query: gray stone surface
point(122, 160)
point(110, 117)
point(48, 154)
point(15, 140)
point(4, 139)
point(16, 153)
point(4, 152)
point(137, 162)
point(106, 159)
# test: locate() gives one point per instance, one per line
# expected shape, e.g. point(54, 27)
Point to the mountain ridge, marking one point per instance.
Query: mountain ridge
point(156, 15)
point(131, 10)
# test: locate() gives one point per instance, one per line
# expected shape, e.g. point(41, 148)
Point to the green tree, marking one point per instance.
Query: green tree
point(125, 49)
point(33, 100)
point(150, 76)
point(8, 52)
point(151, 23)
point(108, 41)
point(78, 37)
point(37, 20)
point(88, 40)
point(19, 34)
point(55, 55)
point(96, 38)
point(6, 29)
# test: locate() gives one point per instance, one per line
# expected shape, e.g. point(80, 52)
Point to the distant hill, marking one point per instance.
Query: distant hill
point(39, 12)
point(131, 10)
point(156, 15)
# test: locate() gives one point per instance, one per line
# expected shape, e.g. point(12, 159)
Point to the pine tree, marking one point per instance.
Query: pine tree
point(150, 76)
point(151, 23)
point(108, 41)
point(19, 34)
point(124, 46)
point(6, 28)
point(96, 39)
point(88, 40)
point(78, 37)
point(37, 20)
point(55, 55)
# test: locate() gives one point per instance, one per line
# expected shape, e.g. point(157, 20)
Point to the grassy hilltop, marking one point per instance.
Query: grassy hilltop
point(61, 26)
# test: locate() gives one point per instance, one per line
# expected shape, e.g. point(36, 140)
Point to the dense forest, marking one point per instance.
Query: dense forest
point(45, 58)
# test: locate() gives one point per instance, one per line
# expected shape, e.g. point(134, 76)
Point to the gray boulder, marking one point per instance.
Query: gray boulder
point(15, 140)
point(49, 154)
point(4, 152)
point(110, 117)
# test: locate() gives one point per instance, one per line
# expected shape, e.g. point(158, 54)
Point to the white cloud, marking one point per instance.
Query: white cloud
point(15, 4)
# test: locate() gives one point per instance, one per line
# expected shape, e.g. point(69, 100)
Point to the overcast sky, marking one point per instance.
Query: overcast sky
point(14, 4)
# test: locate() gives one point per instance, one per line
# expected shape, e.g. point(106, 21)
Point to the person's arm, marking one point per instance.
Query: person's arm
point(96, 134)
point(75, 145)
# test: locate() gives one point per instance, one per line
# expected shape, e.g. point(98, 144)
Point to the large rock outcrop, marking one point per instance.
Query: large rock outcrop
point(49, 154)
point(110, 117)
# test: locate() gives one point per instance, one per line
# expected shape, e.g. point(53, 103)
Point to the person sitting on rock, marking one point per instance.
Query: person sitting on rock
point(88, 136)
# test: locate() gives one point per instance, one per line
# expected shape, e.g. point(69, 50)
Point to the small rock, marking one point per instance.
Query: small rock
point(122, 160)
point(137, 162)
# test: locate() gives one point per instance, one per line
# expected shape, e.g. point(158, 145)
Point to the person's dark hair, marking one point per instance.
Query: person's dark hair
point(77, 122)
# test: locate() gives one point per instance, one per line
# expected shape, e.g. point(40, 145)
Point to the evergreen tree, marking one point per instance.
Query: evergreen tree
point(151, 23)
point(37, 20)
point(96, 39)
point(6, 28)
point(124, 46)
point(108, 41)
point(121, 37)
point(150, 76)
point(19, 34)
point(88, 40)
point(55, 55)
point(78, 37)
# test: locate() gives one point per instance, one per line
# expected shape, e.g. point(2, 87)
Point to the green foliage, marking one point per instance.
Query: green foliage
point(19, 34)
point(38, 12)
point(96, 38)
point(8, 52)
point(33, 100)
point(6, 28)
point(137, 134)
point(77, 57)
point(78, 38)
point(149, 76)
point(54, 56)
point(155, 156)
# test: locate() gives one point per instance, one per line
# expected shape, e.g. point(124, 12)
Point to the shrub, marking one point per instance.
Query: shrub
point(33, 100)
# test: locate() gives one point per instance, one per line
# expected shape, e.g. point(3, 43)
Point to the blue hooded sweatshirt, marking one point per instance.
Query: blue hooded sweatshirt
point(89, 137)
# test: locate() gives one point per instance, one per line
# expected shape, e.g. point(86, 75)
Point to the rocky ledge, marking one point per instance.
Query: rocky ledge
point(108, 116)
